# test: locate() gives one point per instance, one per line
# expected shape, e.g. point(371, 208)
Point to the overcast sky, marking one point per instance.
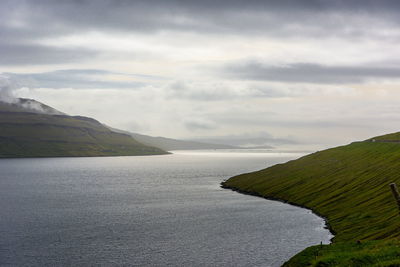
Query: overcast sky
point(311, 73)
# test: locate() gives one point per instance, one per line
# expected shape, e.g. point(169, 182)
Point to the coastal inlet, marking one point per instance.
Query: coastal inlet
point(146, 211)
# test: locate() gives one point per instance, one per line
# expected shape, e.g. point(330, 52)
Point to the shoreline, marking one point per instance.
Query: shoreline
point(97, 156)
point(255, 194)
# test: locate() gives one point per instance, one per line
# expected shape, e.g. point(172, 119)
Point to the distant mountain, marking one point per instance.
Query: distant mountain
point(169, 144)
point(241, 142)
point(29, 128)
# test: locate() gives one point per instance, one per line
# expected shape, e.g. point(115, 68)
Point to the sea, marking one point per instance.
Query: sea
point(166, 210)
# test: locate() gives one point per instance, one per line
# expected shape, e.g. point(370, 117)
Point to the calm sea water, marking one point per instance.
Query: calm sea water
point(146, 211)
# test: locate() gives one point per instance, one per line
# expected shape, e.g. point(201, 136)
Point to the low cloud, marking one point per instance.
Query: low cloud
point(212, 91)
point(260, 139)
point(8, 87)
point(200, 91)
point(198, 125)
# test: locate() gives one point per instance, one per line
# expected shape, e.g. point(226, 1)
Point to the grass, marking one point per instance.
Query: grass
point(348, 185)
point(383, 253)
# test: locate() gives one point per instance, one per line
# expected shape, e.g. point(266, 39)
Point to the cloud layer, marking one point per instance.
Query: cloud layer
point(301, 72)
point(26, 24)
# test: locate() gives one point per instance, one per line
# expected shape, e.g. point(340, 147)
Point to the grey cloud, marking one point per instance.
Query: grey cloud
point(199, 91)
point(75, 78)
point(225, 91)
point(306, 122)
point(30, 54)
point(259, 16)
point(199, 125)
point(308, 73)
point(268, 91)
point(26, 22)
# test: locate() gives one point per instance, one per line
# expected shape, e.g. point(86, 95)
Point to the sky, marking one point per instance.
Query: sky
point(283, 73)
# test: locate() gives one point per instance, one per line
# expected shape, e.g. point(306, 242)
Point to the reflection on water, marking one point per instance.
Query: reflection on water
point(265, 153)
point(146, 211)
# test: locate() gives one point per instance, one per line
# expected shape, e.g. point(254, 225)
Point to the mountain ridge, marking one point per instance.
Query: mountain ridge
point(26, 130)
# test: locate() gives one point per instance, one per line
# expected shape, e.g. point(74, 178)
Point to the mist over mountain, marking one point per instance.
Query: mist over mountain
point(28, 105)
point(250, 140)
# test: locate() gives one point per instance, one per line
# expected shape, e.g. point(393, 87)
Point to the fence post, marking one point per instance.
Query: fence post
point(396, 194)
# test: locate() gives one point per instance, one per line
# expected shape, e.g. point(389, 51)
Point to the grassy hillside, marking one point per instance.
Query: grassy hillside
point(348, 185)
point(28, 134)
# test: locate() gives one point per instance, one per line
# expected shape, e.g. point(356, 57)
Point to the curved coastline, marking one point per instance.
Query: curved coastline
point(348, 185)
point(327, 225)
point(255, 194)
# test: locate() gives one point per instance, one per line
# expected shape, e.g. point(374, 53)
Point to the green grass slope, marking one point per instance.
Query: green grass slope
point(382, 253)
point(28, 134)
point(348, 185)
